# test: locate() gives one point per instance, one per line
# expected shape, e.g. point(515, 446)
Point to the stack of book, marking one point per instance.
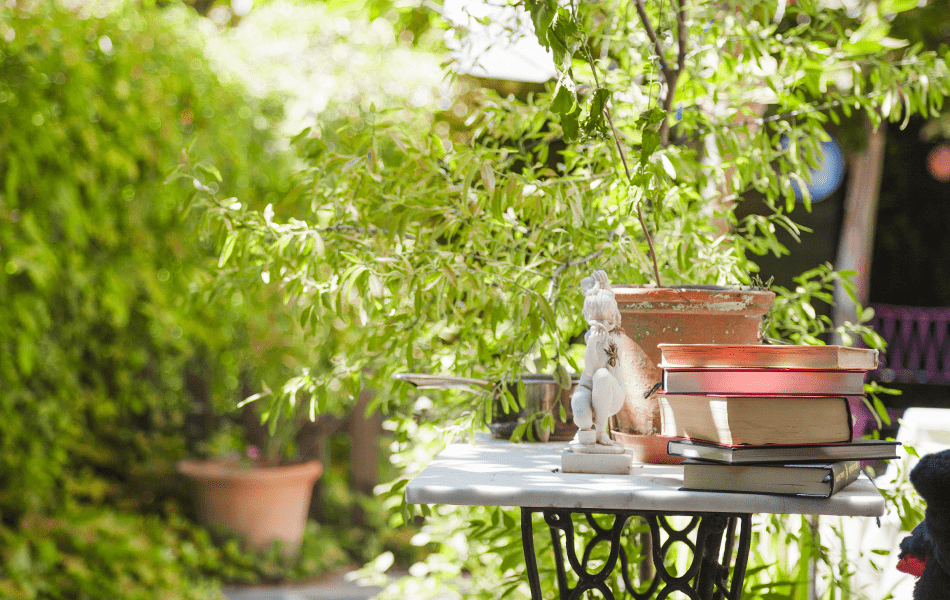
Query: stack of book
point(767, 418)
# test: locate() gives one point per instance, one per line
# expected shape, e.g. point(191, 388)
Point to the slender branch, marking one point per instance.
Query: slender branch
point(610, 120)
point(808, 108)
point(357, 229)
point(651, 33)
point(643, 226)
point(626, 169)
point(672, 76)
point(813, 108)
point(682, 31)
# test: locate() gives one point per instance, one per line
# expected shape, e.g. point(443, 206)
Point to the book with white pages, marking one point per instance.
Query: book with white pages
point(821, 480)
point(859, 449)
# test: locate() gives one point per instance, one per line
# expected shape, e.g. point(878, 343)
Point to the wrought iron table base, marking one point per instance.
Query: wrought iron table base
point(706, 578)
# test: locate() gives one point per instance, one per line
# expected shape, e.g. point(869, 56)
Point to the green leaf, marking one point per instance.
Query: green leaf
point(542, 14)
point(546, 311)
point(572, 363)
point(890, 7)
point(564, 38)
point(511, 188)
point(228, 248)
point(863, 47)
point(650, 141)
point(881, 411)
point(511, 561)
point(668, 166)
point(488, 178)
point(318, 246)
point(570, 125)
point(564, 100)
point(518, 434)
point(209, 170)
point(305, 316)
point(596, 123)
point(808, 310)
point(562, 376)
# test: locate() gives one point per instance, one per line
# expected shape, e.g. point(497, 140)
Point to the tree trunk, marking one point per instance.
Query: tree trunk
point(364, 436)
point(856, 243)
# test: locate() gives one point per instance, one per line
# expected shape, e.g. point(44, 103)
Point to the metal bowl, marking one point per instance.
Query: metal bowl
point(541, 393)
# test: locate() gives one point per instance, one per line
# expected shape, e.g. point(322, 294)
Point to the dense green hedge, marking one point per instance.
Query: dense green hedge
point(110, 359)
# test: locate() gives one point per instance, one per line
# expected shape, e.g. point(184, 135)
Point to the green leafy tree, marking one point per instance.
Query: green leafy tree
point(461, 249)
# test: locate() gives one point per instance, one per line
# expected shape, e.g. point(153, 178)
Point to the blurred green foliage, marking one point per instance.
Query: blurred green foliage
point(103, 554)
point(114, 358)
point(97, 552)
point(104, 349)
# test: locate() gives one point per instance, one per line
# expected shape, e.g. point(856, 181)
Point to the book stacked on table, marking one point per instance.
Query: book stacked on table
point(766, 419)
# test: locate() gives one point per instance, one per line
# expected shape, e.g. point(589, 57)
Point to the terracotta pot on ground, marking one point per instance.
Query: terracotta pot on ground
point(263, 504)
point(686, 315)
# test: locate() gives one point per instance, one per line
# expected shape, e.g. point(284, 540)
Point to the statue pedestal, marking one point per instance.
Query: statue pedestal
point(585, 455)
point(608, 464)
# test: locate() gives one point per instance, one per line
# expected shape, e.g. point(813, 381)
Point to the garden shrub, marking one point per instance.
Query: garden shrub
point(111, 358)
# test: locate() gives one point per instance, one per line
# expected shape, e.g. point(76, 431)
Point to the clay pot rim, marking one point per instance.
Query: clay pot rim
point(674, 289)
point(223, 470)
point(693, 299)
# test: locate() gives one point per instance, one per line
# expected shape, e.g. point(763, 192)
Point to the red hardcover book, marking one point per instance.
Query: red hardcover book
point(763, 356)
point(764, 381)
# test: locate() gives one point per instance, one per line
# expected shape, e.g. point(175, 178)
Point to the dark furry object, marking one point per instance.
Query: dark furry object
point(928, 545)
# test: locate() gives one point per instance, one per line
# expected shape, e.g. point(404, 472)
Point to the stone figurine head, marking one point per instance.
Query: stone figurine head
point(600, 306)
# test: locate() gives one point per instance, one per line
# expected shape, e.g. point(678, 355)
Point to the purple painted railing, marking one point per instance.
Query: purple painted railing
point(918, 344)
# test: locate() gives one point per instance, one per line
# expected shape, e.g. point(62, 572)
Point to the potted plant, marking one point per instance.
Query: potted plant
point(655, 315)
point(256, 495)
point(261, 503)
point(250, 477)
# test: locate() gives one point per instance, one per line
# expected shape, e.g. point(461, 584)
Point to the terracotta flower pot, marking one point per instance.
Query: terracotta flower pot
point(686, 315)
point(263, 504)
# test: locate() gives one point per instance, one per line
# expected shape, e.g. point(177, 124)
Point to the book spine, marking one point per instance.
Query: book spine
point(843, 474)
point(722, 454)
point(847, 405)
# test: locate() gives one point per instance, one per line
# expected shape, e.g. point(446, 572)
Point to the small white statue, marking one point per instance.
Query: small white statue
point(600, 393)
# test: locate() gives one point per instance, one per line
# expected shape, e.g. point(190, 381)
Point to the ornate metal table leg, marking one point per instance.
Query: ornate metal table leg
point(562, 587)
point(706, 577)
point(561, 520)
point(530, 558)
point(671, 583)
point(710, 570)
point(742, 555)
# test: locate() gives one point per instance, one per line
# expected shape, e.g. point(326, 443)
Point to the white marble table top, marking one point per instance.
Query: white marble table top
point(499, 473)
